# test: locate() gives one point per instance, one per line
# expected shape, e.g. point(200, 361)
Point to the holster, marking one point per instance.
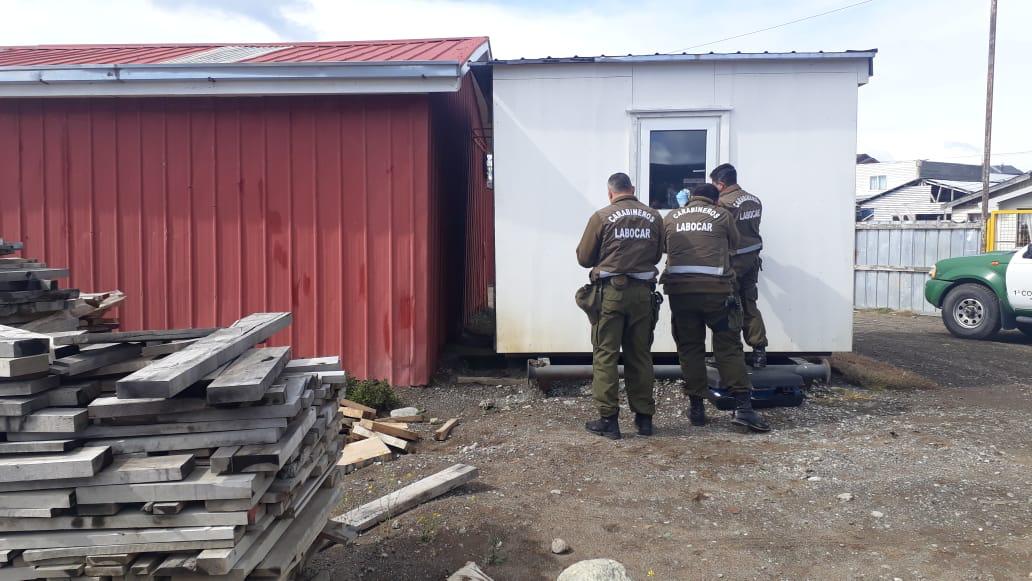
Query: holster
point(589, 299)
point(657, 302)
point(735, 314)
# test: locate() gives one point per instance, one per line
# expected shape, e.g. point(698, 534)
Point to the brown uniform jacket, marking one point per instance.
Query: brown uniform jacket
point(698, 239)
point(622, 238)
point(747, 210)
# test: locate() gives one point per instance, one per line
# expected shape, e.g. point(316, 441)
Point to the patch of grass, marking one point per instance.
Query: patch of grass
point(375, 393)
point(428, 526)
point(494, 553)
point(878, 375)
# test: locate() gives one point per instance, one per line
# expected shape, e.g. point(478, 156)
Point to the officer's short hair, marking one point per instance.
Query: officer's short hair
point(707, 191)
point(620, 183)
point(725, 173)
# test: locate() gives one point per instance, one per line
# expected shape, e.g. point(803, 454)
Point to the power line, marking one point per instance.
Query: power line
point(778, 25)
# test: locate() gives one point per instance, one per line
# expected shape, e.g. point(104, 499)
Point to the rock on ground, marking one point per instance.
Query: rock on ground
point(559, 546)
point(402, 412)
point(594, 570)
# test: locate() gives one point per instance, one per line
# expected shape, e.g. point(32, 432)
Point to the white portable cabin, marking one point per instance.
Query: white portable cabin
point(786, 121)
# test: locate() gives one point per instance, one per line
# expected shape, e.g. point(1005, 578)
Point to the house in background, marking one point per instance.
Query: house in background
point(917, 190)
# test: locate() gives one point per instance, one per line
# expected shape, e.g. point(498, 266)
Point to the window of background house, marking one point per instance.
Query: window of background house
point(675, 154)
point(878, 182)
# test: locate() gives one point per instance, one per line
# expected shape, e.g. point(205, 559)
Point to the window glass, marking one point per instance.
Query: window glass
point(677, 161)
point(878, 182)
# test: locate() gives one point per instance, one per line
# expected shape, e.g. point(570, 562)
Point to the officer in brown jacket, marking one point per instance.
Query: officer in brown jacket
point(698, 239)
point(746, 210)
point(621, 246)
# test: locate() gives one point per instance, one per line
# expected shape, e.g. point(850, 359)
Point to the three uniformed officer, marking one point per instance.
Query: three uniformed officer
point(621, 246)
point(698, 241)
point(746, 212)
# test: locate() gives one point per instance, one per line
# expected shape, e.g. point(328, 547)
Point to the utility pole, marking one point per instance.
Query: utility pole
point(988, 125)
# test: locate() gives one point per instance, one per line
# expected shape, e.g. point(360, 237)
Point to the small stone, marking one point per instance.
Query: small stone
point(435, 421)
point(559, 546)
point(401, 412)
point(396, 525)
point(814, 479)
point(555, 491)
point(877, 514)
point(845, 496)
point(595, 570)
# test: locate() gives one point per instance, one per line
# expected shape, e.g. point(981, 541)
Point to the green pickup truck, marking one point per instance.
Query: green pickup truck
point(980, 295)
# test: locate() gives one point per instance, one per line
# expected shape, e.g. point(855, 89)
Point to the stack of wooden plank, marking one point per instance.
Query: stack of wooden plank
point(189, 453)
point(31, 299)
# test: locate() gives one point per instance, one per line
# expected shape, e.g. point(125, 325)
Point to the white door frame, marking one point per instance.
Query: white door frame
point(715, 120)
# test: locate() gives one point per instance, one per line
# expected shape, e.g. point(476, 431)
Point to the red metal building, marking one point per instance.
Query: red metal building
point(342, 181)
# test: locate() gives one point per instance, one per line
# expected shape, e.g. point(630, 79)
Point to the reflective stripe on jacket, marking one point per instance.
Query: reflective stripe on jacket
point(697, 240)
point(622, 238)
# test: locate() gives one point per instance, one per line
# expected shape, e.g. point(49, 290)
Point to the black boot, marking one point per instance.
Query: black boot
point(697, 410)
point(644, 423)
point(759, 357)
point(607, 427)
point(745, 415)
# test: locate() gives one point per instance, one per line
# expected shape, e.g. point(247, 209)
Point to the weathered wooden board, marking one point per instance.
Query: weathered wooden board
point(300, 535)
point(442, 433)
point(157, 349)
point(180, 442)
point(74, 395)
point(23, 405)
point(21, 366)
point(200, 485)
point(390, 429)
point(249, 376)
point(222, 460)
point(51, 420)
point(313, 364)
point(358, 454)
point(10, 275)
point(130, 518)
point(58, 539)
point(32, 296)
point(60, 498)
point(24, 386)
point(391, 441)
point(28, 512)
point(95, 357)
point(370, 514)
point(38, 446)
point(261, 484)
point(76, 464)
point(123, 470)
point(33, 555)
point(15, 342)
point(113, 407)
point(272, 457)
point(143, 336)
point(173, 374)
point(97, 431)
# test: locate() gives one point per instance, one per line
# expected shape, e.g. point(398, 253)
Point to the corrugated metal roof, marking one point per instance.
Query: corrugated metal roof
point(415, 50)
point(684, 56)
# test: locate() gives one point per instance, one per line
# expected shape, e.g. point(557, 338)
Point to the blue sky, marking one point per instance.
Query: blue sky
point(926, 99)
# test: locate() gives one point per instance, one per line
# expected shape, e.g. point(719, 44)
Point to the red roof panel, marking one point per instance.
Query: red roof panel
point(434, 49)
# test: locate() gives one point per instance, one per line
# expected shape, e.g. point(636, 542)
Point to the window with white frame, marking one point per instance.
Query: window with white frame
point(675, 155)
point(878, 182)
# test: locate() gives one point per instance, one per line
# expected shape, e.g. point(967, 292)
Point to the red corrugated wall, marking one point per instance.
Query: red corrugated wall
point(203, 210)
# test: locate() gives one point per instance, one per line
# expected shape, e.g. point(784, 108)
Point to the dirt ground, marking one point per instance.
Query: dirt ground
point(940, 480)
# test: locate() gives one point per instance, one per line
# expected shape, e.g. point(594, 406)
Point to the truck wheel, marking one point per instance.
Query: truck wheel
point(971, 311)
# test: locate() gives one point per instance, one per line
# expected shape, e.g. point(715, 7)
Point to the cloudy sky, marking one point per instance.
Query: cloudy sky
point(925, 101)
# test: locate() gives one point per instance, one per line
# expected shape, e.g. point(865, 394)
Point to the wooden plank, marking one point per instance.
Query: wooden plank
point(60, 571)
point(60, 498)
point(108, 560)
point(15, 342)
point(97, 357)
point(58, 539)
point(469, 572)
point(6, 555)
point(176, 564)
point(168, 507)
point(28, 386)
point(113, 407)
point(179, 442)
point(373, 513)
point(34, 555)
point(222, 561)
point(249, 376)
point(390, 430)
point(200, 485)
point(145, 565)
point(173, 374)
point(120, 368)
point(272, 457)
point(358, 454)
point(38, 446)
point(9, 275)
point(53, 420)
point(299, 535)
point(21, 366)
point(391, 441)
point(122, 470)
point(26, 513)
point(403, 420)
point(105, 570)
point(144, 336)
point(131, 518)
point(158, 349)
point(23, 405)
point(74, 395)
point(222, 460)
point(442, 433)
point(99, 431)
point(313, 364)
point(261, 485)
point(76, 464)
point(368, 411)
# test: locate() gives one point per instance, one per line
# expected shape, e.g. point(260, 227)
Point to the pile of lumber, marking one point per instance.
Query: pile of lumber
point(371, 439)
point(187, 453)
point(31, 299)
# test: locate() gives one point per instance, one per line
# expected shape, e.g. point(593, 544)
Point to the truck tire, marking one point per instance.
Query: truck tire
point(971, 311)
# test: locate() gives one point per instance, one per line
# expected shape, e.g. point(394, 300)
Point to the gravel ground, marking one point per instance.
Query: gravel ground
point(854, 484)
